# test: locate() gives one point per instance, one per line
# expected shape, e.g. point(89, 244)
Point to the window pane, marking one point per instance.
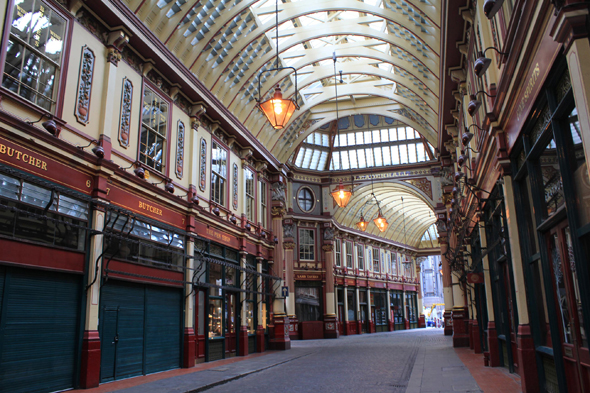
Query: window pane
point(9, 187)
point(394, 155)
point(350, 139)
point(393, 134)
point(369, 155)
point(386, 155)
point(412, 152)
point(37, 196)
point(353, 161)
point(403, 152)
point(376, 136)
point(378, 156)
point(384, 136)
point(361, 158)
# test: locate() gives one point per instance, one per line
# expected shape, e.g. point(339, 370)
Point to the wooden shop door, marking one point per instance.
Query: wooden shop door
point(231, 322)
point(576, 358)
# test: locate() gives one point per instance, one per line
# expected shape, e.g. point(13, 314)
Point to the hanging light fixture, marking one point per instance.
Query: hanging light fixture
point(340, 194)
point(381, 221)
point(362, 224)
point(278, 110)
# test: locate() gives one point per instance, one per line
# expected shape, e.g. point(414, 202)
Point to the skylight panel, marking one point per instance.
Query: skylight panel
point(376, 136)
point(412, 152)
point(325, 140)
point(359, 138)
point(350, 138)
point(403, 154)
point(322, 161)
point(367, 135)
point(353, 161)
point(393, 134)
point(315, 159)
point(378, 156)
point(343, 141)
point(394, 155)
point(344, 160)
point(360, 153)
point(409, 133)
point(384, 136)
point(421, 152)
point(299, 158)
point(335, 161)
point(309, 139)
point(370, 160)
point(386, 155)
point(306, 158)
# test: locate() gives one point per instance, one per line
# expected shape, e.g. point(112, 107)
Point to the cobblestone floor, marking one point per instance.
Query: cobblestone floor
point(421, 360)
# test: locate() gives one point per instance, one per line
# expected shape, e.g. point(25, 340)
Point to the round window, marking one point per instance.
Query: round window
point(305, 199)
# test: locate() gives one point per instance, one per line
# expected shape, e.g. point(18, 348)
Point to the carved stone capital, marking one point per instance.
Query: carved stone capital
point(328, 247)
point(289, 245)
point(113, 56)
point(278, 211)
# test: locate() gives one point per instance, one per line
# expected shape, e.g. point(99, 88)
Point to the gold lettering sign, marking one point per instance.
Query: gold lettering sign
point(529, 89)
point(20, 156)
point(150, 208)
point(219, 236)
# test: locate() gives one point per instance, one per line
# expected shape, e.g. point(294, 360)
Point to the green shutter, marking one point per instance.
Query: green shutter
point(147, 320)
point(125, 358)
point(38, 330)
point(163, 328)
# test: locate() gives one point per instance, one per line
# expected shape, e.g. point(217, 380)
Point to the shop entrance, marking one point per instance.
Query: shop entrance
point(566, 292)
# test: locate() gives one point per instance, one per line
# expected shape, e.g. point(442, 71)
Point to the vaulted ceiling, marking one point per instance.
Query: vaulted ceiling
point(387, 50)
point(389, 55)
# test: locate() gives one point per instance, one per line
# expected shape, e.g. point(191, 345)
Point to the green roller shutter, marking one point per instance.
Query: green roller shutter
point(121, 329)
point(38, 330)
point(140, 329)
point(163, 328)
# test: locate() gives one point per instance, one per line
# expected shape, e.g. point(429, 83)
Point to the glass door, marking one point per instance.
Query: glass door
point(569, 308)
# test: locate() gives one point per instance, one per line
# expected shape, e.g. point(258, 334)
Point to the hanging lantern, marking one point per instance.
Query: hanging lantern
point(278, 110)
point(362, 224)
point(381, 222)
point(341, 195)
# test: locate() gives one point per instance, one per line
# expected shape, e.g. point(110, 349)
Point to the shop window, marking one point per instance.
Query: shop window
point(351, 300)
point(306, 245)
point(154, 129)
point(250, 303)
point(218, 173)
point(308, 303)
point(338, 252)
point(305, 199)
point(393, 263)
point(349, 262)
point(360, 257)
point(34, 53)
point(263, 204)
point(41, 215)
point(250, 195)
point(369, 264)
point(376, 267)
point(133, 240)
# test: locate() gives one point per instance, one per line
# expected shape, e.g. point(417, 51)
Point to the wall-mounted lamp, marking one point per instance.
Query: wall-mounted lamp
point(51, 127)
point(169, 186)
point(491, 7)
point(97, 150)
point(482, 63)
point(474, 103)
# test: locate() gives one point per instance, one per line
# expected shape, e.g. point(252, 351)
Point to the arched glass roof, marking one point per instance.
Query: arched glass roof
point(387, 50)
point(359, 145)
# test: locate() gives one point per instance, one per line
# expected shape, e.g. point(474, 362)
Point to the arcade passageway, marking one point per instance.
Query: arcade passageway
point(413, 361)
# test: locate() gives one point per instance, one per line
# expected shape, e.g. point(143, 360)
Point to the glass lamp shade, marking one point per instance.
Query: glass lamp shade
point(341, 195)
point(381, 223)
point(362, 224)
point(278, 110)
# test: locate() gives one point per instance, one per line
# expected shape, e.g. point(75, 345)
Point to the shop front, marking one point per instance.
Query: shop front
point(309, 309)
point(396, 298)
point(379, 310)
point(552, 186)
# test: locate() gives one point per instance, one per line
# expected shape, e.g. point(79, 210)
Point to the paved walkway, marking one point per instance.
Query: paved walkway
point(410, 361)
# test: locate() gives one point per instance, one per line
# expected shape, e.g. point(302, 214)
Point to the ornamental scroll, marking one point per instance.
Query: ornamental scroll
point(235, 188)
point(125, 120)
point(180, 150)
point(203, 165)
point(82, 111)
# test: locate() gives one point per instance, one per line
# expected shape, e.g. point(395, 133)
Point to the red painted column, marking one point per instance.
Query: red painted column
point(90, 361)
point(493, 355)
point(526, 359)
point(243, 339)
point(259, 339)
point(188, 357)
point(475, 336)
